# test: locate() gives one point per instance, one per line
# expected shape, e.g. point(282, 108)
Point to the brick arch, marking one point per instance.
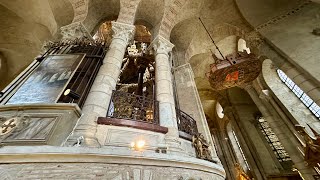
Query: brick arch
point(128, 10)
point(170, 17)
point(80, 9)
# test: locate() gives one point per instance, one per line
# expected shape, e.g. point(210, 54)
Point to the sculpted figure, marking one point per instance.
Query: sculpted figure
point(202, 147)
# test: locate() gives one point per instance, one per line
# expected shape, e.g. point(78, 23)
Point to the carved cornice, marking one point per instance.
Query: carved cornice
point(75, 30)
point(161, 45)
point(123, 31)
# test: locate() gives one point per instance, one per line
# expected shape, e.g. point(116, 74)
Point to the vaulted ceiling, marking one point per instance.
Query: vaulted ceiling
point(25, 25)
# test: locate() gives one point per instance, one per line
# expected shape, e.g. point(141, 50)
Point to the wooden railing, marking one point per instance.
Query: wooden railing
point(133, 107)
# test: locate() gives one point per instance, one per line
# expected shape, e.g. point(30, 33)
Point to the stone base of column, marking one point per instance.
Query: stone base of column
point(83, 136)
point(173, 142)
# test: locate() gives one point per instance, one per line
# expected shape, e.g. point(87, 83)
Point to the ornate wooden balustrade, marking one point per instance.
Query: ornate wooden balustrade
point(186, 124)
point(132, 110)
point(133, 107)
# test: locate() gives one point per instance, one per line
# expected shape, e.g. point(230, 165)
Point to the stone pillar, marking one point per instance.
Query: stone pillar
point(187, 92)
point(164, 92)
point(100, 93)
point(264, 103)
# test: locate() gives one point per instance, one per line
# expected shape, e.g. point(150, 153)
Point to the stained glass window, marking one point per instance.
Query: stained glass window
point(242, 154)
point(305, 99)
point(273, 140)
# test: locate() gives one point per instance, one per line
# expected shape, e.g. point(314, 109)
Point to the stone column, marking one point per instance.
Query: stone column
point(265, 105)
point(164, 92)
point(100, 93)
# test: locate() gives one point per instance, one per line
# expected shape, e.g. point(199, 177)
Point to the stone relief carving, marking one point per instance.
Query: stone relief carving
point(25, 128)
point(74, 31)
point(202, 147)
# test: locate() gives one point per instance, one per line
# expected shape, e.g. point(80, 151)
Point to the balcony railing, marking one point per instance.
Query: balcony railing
point(186, 124)
point(133, 107)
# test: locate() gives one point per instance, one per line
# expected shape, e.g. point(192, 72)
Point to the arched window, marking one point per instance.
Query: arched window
point(273, 140)
point(305, 99)
point(237, 148)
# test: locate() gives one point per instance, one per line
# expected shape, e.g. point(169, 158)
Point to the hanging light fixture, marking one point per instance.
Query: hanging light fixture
point(233, 70)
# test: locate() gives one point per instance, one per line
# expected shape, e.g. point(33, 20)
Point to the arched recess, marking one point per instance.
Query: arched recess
point(150, 13)
point(100, 11)
point(36, 11)
point(21, 37)
point(201, 41)
point(63, 11)
point(294, 107)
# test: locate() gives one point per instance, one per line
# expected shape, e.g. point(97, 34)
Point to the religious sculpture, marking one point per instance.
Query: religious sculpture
point(312, 149)
point(202, 147)
point(241, 174)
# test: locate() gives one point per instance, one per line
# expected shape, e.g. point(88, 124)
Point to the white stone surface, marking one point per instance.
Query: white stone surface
point(99, 96)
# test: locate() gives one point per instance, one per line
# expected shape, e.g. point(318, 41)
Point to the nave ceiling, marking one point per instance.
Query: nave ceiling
point(26, 25)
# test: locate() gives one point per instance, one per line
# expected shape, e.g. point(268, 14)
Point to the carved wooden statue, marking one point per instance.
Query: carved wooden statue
point(312, 149)
point(202, 147)
point(241, 174)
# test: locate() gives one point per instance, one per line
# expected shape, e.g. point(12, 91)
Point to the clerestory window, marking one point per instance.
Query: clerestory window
point(304, 98)
point(273, 140)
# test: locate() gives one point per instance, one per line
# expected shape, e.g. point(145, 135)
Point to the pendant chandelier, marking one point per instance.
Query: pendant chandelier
point(234, 70)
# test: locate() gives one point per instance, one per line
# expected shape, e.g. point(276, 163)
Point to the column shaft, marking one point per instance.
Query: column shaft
point(100, 93)
point(164, 92)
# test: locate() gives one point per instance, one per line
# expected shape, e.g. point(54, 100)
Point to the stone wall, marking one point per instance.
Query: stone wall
point(99, 171)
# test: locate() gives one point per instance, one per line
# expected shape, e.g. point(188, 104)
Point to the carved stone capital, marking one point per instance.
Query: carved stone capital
point(75, 30)
point(161, 45)
point(123, 31)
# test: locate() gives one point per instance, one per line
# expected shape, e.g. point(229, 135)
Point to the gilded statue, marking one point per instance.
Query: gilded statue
point(312, 149)
point(202, 147)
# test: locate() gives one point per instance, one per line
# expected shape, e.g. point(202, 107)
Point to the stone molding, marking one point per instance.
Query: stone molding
point(283, 16)
point(123, 31)
point(123, 157)
point(74, 31)
point(35, 124)
point(161, 45)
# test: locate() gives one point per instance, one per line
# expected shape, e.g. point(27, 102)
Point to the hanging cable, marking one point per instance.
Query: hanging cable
point(211, 38)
